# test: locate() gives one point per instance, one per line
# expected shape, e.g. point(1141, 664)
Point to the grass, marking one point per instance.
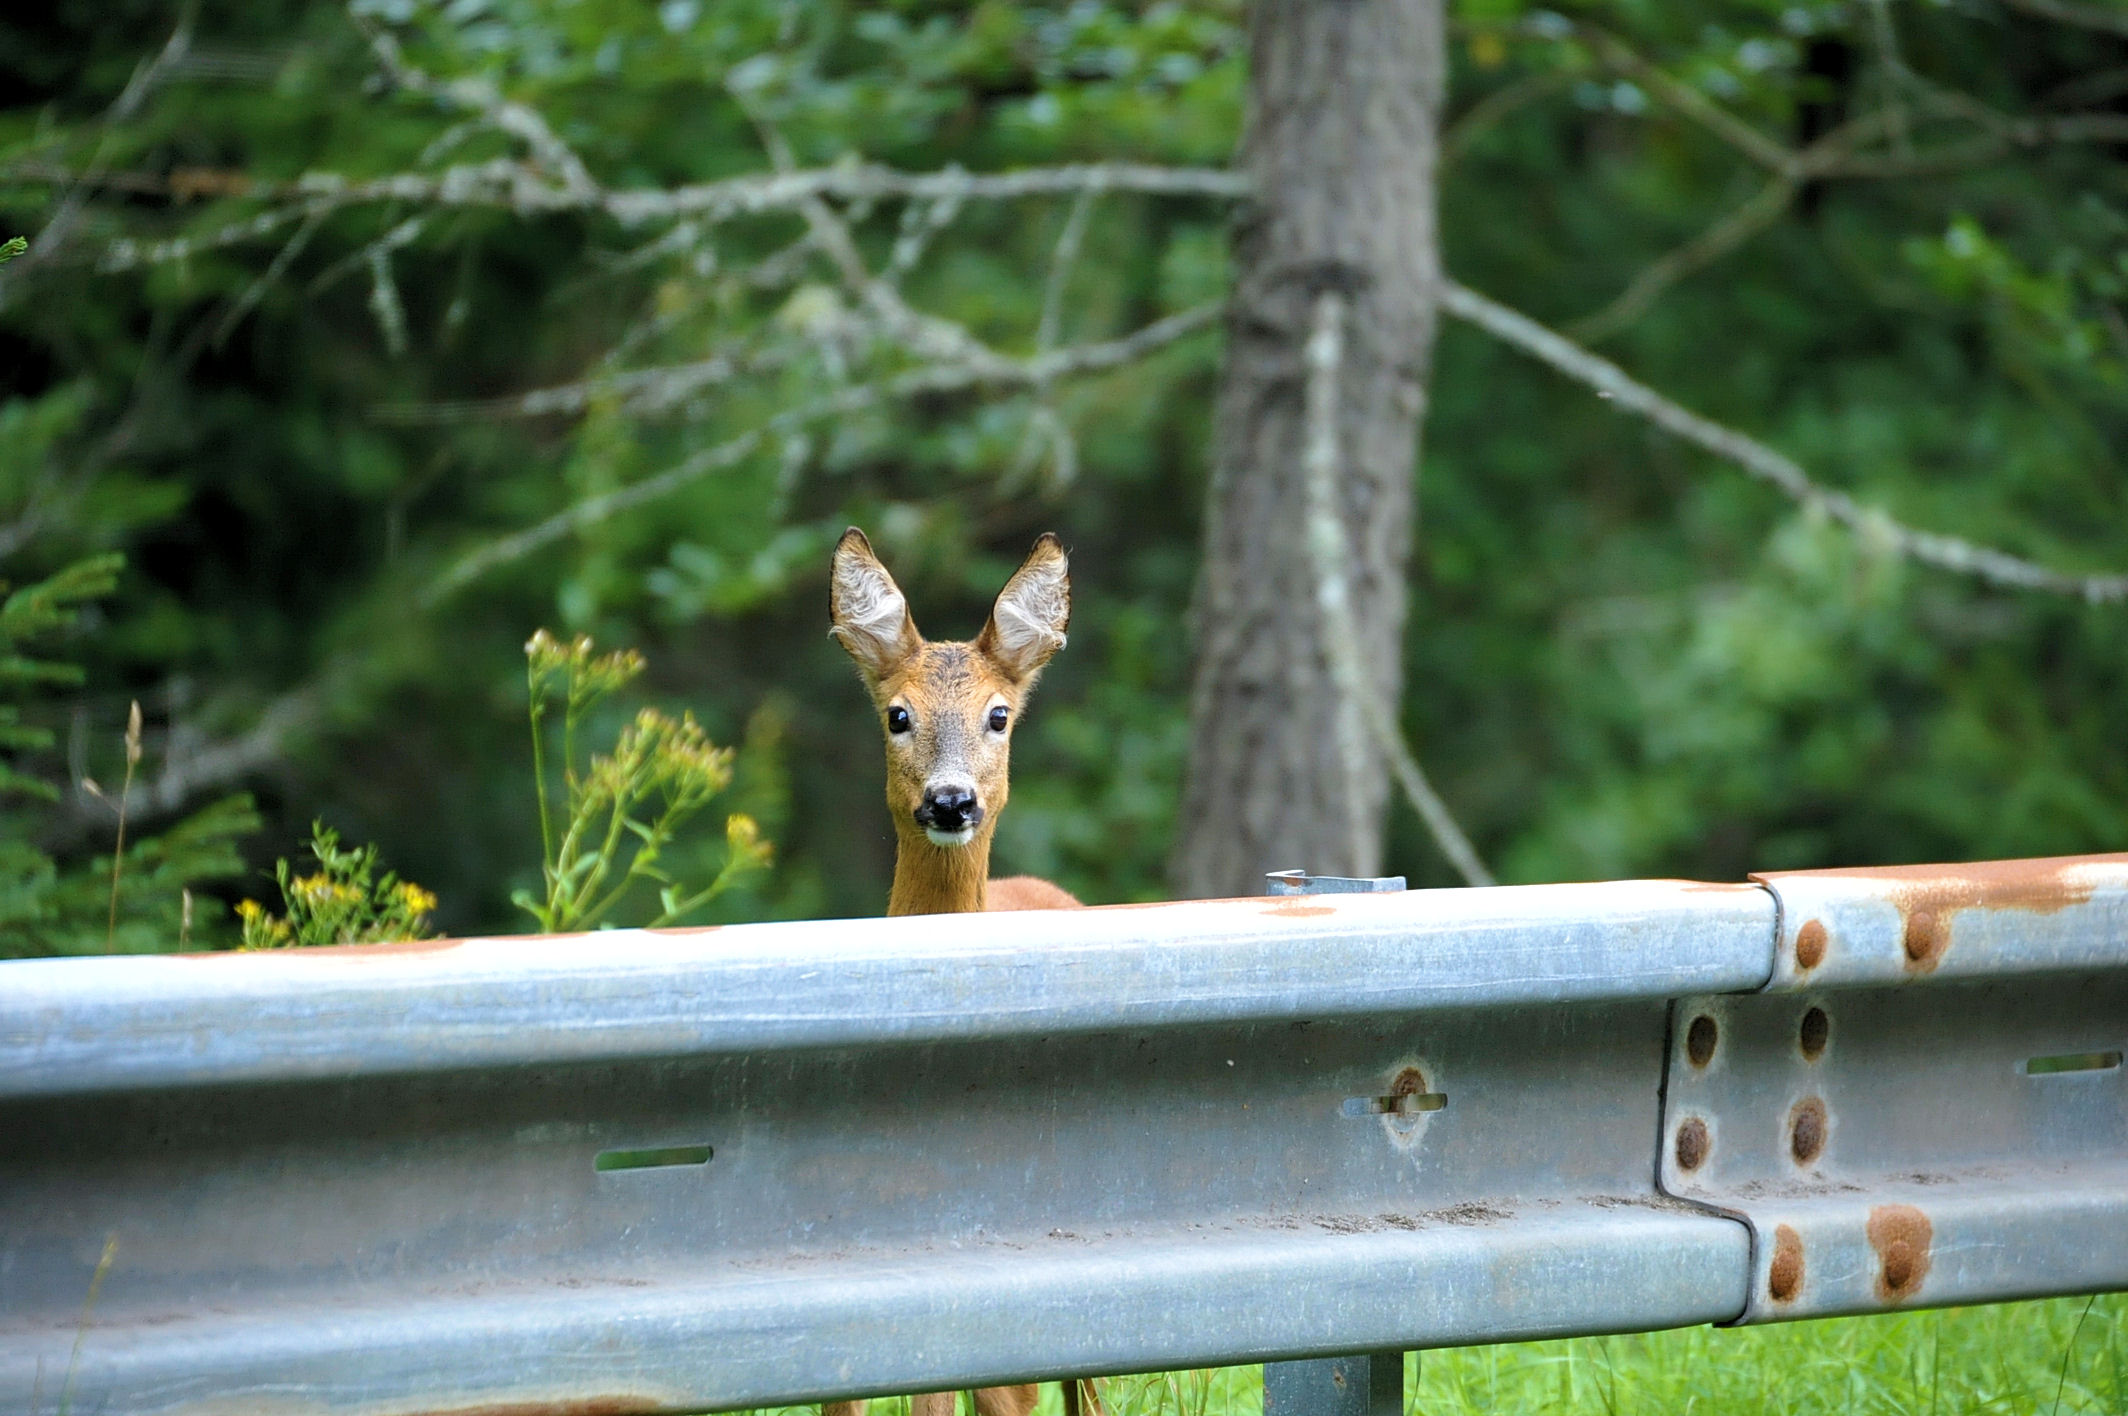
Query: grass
point(2060, 1357)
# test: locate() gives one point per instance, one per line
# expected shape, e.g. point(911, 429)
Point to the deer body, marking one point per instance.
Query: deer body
point(947, 711)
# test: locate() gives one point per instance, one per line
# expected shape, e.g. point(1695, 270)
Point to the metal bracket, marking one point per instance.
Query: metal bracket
point(1371, 1384)
point(1896, 1125)
point(1300, 882)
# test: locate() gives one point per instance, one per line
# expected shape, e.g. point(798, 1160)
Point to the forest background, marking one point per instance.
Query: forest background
point(306, 334)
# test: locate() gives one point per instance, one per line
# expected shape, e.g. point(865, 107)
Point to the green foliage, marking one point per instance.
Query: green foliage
point(138, 897)
point(1623, 658)
point(633, 801)
point(343, 901)
point(12, 247)
point(50, 605)
point(2001, 1358)
point(49, 907)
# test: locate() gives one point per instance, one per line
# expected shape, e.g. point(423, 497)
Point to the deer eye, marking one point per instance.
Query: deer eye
point(897, 719)
point(998, 715)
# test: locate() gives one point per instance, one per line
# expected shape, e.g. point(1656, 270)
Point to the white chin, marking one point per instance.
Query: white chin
point(950, 838)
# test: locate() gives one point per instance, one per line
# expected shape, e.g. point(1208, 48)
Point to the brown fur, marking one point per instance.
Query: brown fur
point(949, 689)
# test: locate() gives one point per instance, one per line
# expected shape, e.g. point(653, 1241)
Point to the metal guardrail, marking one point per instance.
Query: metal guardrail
point(719, 1168)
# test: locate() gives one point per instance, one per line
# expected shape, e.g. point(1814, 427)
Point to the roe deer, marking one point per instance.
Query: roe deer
point(947, 710)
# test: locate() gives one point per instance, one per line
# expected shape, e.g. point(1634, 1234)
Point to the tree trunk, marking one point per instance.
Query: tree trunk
point(1340, 142)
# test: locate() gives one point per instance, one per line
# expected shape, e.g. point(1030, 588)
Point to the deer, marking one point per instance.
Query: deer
point(947, 711)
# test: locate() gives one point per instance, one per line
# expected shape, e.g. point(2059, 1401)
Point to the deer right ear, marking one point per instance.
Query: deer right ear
point(867, 610)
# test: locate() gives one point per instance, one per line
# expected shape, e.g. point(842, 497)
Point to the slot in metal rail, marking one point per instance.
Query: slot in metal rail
point(708, 1169)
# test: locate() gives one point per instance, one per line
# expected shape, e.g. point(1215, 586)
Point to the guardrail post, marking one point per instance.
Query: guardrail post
point(1370, 1384)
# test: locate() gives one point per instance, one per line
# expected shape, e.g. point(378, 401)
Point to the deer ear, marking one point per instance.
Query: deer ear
point(867, 611)
point(1032, 612)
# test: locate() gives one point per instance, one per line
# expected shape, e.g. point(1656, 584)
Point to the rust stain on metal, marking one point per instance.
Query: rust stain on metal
point(1692, 1144)
point(1700, 1039)
point(1929, 898)
point(1784, 1280)
point(1806, 1129)
point(1810, 944)
point(1293, 909)
point(1813, 1033)
point(1901, 1235)
point(1409, 1082)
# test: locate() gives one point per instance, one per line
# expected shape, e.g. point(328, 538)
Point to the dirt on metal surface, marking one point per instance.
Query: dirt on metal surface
point(1692, 1144)
point(1806, 1129)
point(1784, 1280)
point(1292, 908)
point(1810, 944)
point(1929, 898)
point(1901, 1235)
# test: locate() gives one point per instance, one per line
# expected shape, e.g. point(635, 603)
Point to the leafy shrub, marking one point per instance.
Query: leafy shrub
point(343, 901)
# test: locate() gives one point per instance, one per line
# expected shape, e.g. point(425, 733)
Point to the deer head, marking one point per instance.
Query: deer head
point(948, 709)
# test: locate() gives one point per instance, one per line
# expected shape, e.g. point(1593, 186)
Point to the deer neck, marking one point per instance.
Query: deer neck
point(932, 879)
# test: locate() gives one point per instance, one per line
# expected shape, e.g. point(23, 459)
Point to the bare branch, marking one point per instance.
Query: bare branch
point(1765, 207)
point(2008, 133)
point(195, 765)
point(512, 185)
point(928, 379)
point(1046, 427)
point(927, 336)
point(275, 270)
point(1061, 262)
point(1686, 100)
point(1950, 553)
point(920, 223)
point(51, 242)
point(516, 119)
point(1362, 713)
point(1487, 112)
point(2001, 131)
point(1732, 229)
point(639, 390)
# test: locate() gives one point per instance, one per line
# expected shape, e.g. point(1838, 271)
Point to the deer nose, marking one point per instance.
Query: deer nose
point(948, 809)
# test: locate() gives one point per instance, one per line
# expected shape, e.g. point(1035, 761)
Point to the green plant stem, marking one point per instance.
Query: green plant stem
point(716, 887)
point(118, 856)
point(539, 768)
point(607, 849)
point(571, 711)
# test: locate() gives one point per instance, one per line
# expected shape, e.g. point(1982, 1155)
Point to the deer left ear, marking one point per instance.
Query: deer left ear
point(1028, 621)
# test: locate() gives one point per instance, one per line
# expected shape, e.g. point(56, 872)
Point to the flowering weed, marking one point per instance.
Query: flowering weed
point(343, 901)
point(630, 802)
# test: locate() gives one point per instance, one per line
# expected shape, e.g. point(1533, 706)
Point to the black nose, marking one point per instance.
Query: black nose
point(948, 809)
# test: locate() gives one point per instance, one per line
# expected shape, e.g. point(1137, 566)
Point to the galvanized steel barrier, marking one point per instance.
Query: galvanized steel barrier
point(776, 1163)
